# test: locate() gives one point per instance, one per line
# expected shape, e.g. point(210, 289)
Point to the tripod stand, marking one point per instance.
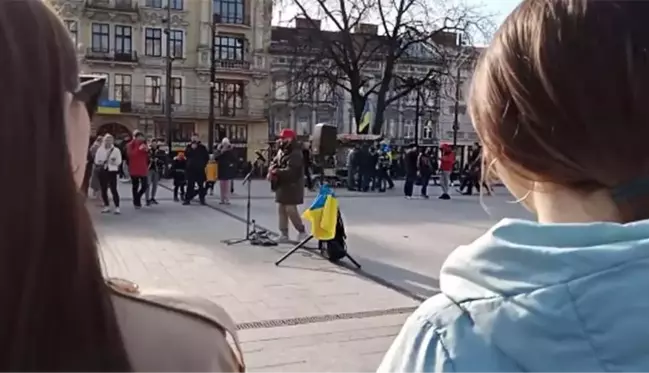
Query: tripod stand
point(321, 244)
point(250, 233)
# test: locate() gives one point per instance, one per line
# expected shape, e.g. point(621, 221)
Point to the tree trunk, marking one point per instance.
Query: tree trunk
point(379, 115)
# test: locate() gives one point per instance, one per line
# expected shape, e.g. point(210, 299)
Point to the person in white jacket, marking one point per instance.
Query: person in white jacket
point(108, 159)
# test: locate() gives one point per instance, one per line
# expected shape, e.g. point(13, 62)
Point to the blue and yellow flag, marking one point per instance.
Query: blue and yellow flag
point(323, 214)
point(366, 118)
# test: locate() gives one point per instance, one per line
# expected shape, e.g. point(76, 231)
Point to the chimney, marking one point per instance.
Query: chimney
point(367, 29)
point(307, 23)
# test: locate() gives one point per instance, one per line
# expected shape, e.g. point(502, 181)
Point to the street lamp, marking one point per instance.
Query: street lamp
point(211, 119)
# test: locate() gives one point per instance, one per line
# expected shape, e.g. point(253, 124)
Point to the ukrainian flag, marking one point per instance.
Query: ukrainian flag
point(364, 124)
point(323, 214)
point(109, 107)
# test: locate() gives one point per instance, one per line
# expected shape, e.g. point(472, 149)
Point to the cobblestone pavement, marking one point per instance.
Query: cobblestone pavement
point(344, 320)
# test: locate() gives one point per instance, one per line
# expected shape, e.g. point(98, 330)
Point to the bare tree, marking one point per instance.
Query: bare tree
point(378, 49)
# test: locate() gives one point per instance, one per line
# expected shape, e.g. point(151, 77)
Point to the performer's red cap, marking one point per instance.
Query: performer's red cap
point(287, 133)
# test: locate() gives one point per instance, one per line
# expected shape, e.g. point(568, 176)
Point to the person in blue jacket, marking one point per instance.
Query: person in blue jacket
point(560, 101)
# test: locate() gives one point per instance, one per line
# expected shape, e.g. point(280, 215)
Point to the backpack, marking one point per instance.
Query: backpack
point(336, 248)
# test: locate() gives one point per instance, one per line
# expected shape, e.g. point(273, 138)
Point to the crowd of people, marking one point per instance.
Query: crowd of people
point(144, 163)
point(374, 168)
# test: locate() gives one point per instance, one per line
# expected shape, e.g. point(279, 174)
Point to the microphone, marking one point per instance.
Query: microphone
point(260, 156)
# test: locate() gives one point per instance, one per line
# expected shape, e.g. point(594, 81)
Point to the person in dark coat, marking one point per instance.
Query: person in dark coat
point(410, 165)
point(197, 157)
point(286, 175)
point(227, 169)
point(426, 170)
point(178, 166)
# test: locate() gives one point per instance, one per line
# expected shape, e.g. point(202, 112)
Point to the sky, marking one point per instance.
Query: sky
point(498, 8)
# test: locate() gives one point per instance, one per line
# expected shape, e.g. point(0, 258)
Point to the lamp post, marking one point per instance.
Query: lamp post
point(417, 113)
point(456, 125)
point(169, 60)
point(211, 116)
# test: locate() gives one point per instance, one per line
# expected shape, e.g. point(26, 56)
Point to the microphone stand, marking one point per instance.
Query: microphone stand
point(250, 233)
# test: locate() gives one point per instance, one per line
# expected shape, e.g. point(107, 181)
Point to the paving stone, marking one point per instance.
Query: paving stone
point(402, 242)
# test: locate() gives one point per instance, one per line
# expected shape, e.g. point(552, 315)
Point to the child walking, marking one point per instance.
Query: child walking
point(210, 174)
point(178, 166)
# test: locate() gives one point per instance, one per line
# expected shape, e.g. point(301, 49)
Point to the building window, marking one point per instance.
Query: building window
point(177, 91)
point(180, 132)
point(176, 4)
point(229, 47)
point(100, 37)
point(177, 41)
point(427, 130)
point(153, 42)
point(123, 84)
point(236, 133)
point(73, 29)
point(324, 92)
point(123, 39)
point(229, 97)
point(408, 129)
point(280, 90)
point(229, 11)
point(152, 88)
point(154, 3)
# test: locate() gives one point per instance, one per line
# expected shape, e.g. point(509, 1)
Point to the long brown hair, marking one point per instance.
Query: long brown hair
point(562, 96)
point(56, 312)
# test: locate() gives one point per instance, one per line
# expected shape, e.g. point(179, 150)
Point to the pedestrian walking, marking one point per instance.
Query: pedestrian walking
point(425, 167)
point(446, 164)
point(178, 166)
point(138, 155)
point(197, 158)
point(157, 164)
point(108, 158)
point(211, 175)
point(410, 164)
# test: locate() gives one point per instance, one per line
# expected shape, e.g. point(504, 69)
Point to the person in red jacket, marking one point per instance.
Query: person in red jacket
point(446, 168)
point(138, 159)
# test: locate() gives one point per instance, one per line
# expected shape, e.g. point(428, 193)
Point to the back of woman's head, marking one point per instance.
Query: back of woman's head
point(561, 98)
point(56, 313)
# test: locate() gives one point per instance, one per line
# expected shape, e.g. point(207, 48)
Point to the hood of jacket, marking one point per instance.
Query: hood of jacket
point(557, 297)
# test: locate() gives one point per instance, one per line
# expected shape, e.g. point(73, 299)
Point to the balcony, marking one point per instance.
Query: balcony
point(232, 65)
point(111, 56)
point(113, 5)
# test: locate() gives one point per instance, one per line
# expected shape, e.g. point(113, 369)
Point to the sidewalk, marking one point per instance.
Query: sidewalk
point(289, 315)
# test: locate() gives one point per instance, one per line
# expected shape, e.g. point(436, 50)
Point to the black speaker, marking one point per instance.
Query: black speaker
point(324, 140)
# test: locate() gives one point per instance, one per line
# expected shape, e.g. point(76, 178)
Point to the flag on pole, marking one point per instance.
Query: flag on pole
point(366, 118)
point(323, 214)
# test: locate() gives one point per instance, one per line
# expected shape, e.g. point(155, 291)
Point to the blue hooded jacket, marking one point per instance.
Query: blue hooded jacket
point(536, 297)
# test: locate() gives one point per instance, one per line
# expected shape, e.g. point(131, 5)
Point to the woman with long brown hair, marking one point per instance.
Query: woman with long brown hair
point(560, 100)
point(58, 313)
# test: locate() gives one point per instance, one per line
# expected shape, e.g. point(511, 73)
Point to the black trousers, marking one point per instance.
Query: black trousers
point(194, 179)
point(139, 184)
point(307, 177)
point(108, 180)
point(425, 178)
point(409, 184)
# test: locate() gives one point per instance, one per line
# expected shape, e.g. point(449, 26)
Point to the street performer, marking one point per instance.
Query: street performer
point(286, 176)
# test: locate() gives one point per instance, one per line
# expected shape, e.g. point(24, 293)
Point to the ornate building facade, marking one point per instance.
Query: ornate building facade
point(126, 41)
